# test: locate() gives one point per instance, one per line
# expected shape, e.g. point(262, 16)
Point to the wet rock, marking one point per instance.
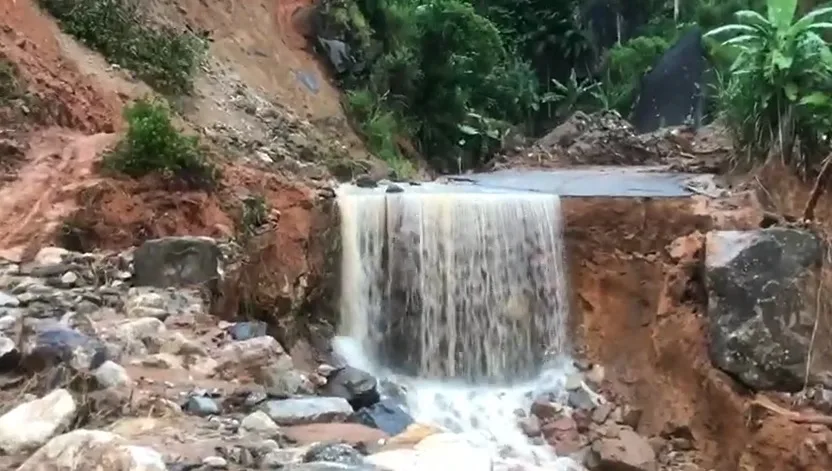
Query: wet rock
point(60, 345)
point(385, 415)
point(93, 449)
point(333, 453)
point(761, 308)
point(9, 354)
point(260, 423)
point(393, 188)
point(33, 423)
point(177, 261)
point(247, 330)
point(111, 374)
point(202, 406)
point(545, 409)
point(530, 426)
point(307, 410)
point(365, 182)
point(629, 451)
point(581, 398)
point(358, 387)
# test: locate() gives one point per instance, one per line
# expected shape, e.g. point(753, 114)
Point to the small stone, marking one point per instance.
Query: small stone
point(202, 406)
point(8, 300)
point(545, 409)
point(259, 422)
point(595, 376)
point(602, 412)
point(111, 374)
point(530, 426)
point(581, 399)
point(69, 279)
point(325, 370)
point(215, 462)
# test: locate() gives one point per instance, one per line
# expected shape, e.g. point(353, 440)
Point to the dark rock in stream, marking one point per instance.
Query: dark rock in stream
point(386, 416)
point(358, 387)
point(762, 287)
point(333, 453)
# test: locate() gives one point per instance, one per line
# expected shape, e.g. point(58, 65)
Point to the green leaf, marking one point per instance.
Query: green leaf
point(810, 17)
point(730, 29)
point(815, 99)
point(781, 13)
point(751, 16)
point(465, 129)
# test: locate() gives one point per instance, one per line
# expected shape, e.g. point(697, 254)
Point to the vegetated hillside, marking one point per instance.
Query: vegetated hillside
point(463, 80)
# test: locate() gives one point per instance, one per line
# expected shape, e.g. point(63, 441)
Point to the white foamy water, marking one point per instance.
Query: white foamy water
point(460, 297)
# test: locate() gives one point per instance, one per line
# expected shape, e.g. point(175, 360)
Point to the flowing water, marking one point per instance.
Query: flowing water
point(461, 297)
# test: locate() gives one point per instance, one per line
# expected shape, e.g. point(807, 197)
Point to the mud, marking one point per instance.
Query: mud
point(638, 305)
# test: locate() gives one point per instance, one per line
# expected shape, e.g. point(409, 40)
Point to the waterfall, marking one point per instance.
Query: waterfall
point(461, 293)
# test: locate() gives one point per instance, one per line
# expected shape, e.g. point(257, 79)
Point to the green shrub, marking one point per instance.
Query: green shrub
point(10, 86)
point(120, 30)
point(153, 145)
point(776, 92)
point(380, 128)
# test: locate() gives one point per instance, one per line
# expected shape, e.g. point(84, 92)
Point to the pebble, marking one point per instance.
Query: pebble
point(215, 462)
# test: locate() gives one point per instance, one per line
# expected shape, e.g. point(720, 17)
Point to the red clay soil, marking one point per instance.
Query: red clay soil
point(639, 301)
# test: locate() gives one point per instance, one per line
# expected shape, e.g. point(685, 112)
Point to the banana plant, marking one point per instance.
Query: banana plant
point(784, 59)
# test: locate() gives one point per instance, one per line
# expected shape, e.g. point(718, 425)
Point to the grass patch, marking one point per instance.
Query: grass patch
point(120, 30)
point(153, 145)
point(11, 87)
point(380, 127)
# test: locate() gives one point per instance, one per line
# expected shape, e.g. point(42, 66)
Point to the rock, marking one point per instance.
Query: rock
point(545, 409)
point(247, 330)
point(435, 452)
point(8, 300)
point(253, 356)
point(762, 286)
point(581, 398)
point(325, 370)
point(215, 462)
point(323, 466)
point(307, 410)
point(9, 354)
point(385, 415)
point(282, 381)
point(602, 412)
point(595, 376)
point(140, 336)
point(111, 374)
point(393, 188)
point(260, 423)
point(530, 426)
point(631, 416)
point(60, 345)
point(33, 423)
point(177, 261)
point(202, 406)
point(358, 387)
point(93, 450)
point(333, 453)
point(364, 181)
point(628, 452)
point(69, 279)
point(51, 256)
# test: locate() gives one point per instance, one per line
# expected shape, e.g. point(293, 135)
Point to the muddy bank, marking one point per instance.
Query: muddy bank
point(638, 304)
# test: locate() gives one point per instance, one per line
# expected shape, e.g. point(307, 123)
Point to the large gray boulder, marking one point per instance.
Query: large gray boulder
point(177, 261)
point(762, 289)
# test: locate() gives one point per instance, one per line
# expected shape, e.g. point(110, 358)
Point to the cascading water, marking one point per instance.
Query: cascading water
point(460, 296)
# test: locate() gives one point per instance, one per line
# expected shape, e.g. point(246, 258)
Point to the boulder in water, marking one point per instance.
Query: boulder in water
point(358, 387)
point(762, 287)
point(385, 415)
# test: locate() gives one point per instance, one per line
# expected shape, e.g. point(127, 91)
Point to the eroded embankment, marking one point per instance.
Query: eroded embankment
point(638, 305)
